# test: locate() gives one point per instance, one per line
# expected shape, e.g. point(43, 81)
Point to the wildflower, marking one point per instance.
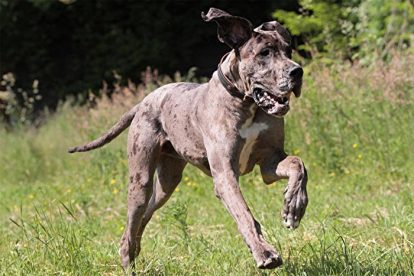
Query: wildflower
point(359, 156)
point(31, 196)
point(177, 189)
point(296, 151)
point(115, 191)
point(355, 146)
point(113, 181)
point(190, 183)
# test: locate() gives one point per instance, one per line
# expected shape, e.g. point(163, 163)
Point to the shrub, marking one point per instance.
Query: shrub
point(352, 29)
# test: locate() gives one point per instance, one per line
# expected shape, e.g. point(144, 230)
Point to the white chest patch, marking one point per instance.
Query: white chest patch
point(249, 131)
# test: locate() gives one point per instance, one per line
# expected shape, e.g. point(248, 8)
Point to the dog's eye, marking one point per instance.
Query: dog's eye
point(265, 52)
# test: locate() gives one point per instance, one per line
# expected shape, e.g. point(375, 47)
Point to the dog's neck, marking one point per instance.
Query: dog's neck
point(241, 104)
point(229, 67)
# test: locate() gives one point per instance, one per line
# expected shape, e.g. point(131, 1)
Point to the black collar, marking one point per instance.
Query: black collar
point(228, 84)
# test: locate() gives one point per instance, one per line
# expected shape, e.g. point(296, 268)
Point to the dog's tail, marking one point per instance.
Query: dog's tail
point(120, 126)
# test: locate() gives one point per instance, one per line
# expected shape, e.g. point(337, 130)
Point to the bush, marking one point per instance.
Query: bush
point(352, 29)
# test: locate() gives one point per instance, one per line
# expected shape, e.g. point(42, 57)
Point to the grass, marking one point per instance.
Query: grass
point(64, 214)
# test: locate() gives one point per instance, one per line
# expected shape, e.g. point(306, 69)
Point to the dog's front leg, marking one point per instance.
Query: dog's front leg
point(227, 189)
point(296, 197)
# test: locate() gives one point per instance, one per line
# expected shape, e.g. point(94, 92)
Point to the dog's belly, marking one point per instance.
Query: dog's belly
point(189, 146)
point(194, 154)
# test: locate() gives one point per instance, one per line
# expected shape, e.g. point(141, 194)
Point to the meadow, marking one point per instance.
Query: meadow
point(353, 126)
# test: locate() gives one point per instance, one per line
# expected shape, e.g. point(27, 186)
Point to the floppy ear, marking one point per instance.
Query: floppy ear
point(274, 26)
point(232, 30)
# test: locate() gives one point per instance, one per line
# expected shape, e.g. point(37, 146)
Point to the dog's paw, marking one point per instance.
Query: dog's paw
point(267, 258)
point(295, 202)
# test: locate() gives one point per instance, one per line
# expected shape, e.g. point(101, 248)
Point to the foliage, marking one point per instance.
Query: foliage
point(319, 23)
point(384, 26)
point(64, 214)
point(352, 29)
point(17, 105)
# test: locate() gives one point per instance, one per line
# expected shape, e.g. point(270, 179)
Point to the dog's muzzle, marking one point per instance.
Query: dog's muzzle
point(270, 103)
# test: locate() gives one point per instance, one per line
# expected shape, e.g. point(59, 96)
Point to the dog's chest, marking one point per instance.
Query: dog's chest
point(249, 132)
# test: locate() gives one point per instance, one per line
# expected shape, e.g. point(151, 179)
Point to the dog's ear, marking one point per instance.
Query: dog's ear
point(232, 30)
point(297, 91)
point(274, 26)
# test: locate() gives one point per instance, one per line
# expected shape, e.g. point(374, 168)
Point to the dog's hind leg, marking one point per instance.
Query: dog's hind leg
point(143, 154)
point(169, 173)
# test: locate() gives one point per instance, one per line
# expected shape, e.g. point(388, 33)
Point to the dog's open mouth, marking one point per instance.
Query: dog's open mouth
point(270, 103)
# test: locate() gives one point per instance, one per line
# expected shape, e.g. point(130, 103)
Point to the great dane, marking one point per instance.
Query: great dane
point(224, 127)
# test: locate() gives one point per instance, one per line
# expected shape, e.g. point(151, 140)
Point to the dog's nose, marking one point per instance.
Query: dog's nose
point(296, 72)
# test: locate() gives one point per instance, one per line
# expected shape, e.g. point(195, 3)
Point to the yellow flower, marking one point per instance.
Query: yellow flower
point(355, 146)
point(115, 191)
point(31, 196)
point(359, 156)
point(177, 189)
point(296, 151)
point(113, 181)
point(190, 183)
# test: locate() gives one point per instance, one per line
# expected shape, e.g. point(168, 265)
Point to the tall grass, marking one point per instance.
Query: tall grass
point(353, 126)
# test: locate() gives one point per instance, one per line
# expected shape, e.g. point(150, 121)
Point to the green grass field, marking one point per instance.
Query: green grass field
point(353, 127)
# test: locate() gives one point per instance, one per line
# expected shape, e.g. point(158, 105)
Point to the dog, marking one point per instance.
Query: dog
point(224, 127)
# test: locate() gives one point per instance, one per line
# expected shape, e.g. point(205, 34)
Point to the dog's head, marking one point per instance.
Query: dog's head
point(264, 61)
